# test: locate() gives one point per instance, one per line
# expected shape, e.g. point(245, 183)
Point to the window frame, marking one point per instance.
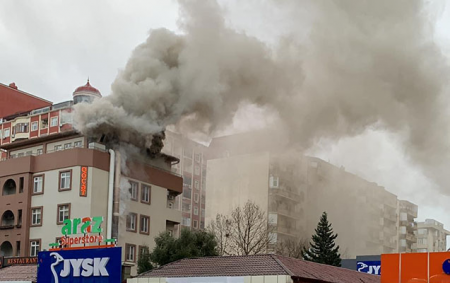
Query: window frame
point(41, 151)
point(42, 184)
point(76, 143)
point(57, 212)
point(141, 217)
point(143, 186)
point(31, 218)
point(131, 190)
point(127, 250)
point(196, 197)
point(195, 210)
point(59, 180)
point(57, 147)
point(6, 133)
point(53, 119)
point(135, 222)
point(37, 126)
point(195, 224)
point(39, 246)
point(67, 145)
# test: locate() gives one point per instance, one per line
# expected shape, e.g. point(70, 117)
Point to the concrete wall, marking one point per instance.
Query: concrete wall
point(94, 204)
point(157, 211)
point(231, 182)
point(245, 279)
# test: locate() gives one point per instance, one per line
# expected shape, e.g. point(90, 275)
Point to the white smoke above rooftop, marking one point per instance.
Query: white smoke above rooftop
point(339, 68)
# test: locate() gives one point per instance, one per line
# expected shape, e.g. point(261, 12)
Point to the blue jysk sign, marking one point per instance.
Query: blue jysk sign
point(371, 267)
point(76, 266)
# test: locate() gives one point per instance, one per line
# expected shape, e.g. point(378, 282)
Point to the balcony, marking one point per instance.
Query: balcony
point(290, 195)
point(411, 238)
point(390, 216)
point(288, 230)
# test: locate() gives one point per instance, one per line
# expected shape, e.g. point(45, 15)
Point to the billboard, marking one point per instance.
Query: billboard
point(370, 267)
point(83, 265)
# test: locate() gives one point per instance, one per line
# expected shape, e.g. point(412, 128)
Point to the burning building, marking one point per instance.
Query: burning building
point(50, 173)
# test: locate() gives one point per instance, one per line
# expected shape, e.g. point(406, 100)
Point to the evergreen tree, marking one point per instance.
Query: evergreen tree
point(322, 249)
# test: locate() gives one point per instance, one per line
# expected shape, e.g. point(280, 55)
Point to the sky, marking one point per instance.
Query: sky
point(49, 48)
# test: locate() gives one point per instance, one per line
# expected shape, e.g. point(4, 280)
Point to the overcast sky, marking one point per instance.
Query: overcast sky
point(49, 48)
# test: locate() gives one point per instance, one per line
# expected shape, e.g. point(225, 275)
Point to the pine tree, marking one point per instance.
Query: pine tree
point(322, 249)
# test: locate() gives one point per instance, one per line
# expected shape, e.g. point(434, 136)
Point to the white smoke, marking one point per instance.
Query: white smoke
point(345, 67)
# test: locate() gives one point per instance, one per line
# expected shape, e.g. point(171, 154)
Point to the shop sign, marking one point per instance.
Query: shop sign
point(87, 265)
point(86, 226)
point(83, 181)
point(370, 267)
point(19, 260)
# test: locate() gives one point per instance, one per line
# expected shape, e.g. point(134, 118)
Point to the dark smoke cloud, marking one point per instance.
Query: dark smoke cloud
point(363, 64)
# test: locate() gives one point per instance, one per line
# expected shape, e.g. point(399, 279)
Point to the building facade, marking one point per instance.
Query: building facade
point(431, 236)
point(192, 167)
point(295, 190)
point(407, 226)
point(49, 173)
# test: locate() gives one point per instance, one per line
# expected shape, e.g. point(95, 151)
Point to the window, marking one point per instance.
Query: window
point(20, 154)
point(44, 123)
point(21, 181)
point(196, 196)
point(34, 126)
point(68, 146)
point(186, 221)
point(187, 193)
point(39, 151)
point(273, 182)
point(6, 135)
point(63, 212)
point(28, 153)
point(36, 216)
point(197, 170)
point(145, 194)
point(131, 222)
point(58, 147)
point(203, 213)
point(35, 247)
point(21, 128)
point(196, 184)
point(38, 184)
point(195, 224)
point(134, 191)
point(186, 207)
point(130, 252)
point(77, 144)
point(195, 210)
point(54, 122)
point(145, 225)
point(197, 157)
point(65, 180)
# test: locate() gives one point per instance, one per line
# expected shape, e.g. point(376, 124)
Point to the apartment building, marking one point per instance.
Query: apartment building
point(50, 173)
point(295, 189)
point(407, 226)
point(192, 167)
point(431, 237)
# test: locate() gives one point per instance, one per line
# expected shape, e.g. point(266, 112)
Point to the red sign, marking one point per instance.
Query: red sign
point(83, 182)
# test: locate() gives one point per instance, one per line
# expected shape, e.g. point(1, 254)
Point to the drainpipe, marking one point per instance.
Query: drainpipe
point(112, 163)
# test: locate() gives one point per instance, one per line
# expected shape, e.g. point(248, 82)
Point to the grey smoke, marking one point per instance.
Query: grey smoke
point(361, 64)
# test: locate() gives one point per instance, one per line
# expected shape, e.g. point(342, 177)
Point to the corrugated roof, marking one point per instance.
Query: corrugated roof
point(255, 265)
point(19, 273)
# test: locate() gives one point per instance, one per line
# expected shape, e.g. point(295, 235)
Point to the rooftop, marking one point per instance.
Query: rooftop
point(257, 265)
point(18, 273)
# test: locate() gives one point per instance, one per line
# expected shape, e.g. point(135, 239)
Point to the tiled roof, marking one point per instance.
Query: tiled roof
point(259, 265)
point(19, 273)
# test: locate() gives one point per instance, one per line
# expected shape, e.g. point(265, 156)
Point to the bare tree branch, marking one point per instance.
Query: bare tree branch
point(247, 231)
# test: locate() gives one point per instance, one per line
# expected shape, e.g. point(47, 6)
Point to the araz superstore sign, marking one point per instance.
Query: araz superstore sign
point(84, 265)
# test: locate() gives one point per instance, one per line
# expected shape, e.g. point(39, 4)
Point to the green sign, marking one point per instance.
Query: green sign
point(85, 225)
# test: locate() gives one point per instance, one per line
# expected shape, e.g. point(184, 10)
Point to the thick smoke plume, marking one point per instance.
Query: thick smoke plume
point(362, 64)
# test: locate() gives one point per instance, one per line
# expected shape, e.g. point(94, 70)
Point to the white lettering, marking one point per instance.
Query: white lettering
point(100, 266)
point(88, 269)
point(66, 271)
point(376, 269)
point(76, 263)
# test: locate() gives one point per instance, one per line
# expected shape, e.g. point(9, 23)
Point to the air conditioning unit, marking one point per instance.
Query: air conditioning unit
point(170, 197)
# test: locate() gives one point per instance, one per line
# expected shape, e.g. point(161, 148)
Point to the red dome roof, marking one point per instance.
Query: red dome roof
point(87, 88)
